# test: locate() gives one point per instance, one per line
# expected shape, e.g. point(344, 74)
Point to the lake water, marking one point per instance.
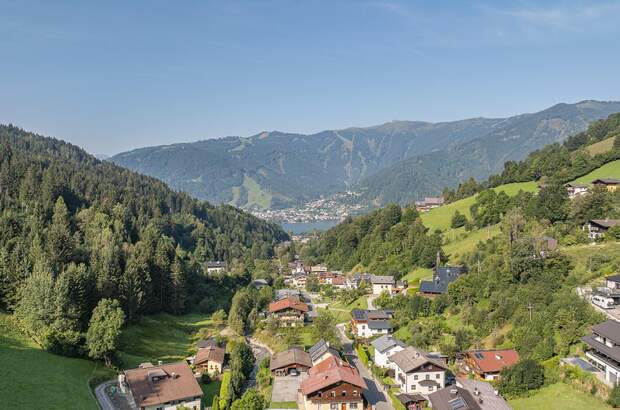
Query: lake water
point(304, 227)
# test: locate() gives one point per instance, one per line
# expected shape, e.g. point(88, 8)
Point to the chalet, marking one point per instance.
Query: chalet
point(292, 361)
point(576, 190)
point(385, 346)
point(485, 394)
point(321, 351)
point(416, 371)
point(212, 341)
point(164, 386)
point(215, 266)
point(453, 398)
point(339, 282)
point(412, 401)
point(332, 384)
point(604, 349)
point(369, 323)
point(429, 203)
point(598, 227)
point(487, 364)
point(327, 278)
point(289, 311)
point(382, 284)
point(610, 184)
point(300, 279)
point(210, 359)
point(442, 277)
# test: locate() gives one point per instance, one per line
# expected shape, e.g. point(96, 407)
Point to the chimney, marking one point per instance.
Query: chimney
point(174, 375)
point(454, 392)
point(476, 391)
point(159, 363)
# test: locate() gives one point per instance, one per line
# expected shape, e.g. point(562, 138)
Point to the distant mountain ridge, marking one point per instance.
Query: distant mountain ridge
point(393, 162)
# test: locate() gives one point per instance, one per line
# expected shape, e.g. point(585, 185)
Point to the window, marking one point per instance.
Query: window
point(430, 388)
point(333, 406)
point(437, 376)
point(428, 376)
point(355, 392)
point(344, 393)
point(415, 377)
point(333, 394)
point(352, 405)
point(413, 387)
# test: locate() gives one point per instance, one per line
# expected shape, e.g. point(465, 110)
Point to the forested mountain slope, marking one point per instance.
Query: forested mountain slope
point(75, 230)
point(276, 169)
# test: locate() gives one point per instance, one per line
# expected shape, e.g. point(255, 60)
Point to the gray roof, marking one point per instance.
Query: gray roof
point(411, 358)
point(613, 278)
point(486, 392)
point(361, 314)
point(410, 398)
point(613, 352)
point(442, 277)
point(216, 264)
point(320, 348)
point(609, 329)
point(605, 223)
point(379, 324)
point(453, 398)
point(290, 357)
point(607, 181)
point(386, 342)
point(382, 280)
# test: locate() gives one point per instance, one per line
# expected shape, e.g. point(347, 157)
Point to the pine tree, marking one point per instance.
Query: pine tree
point(59, 241)
point(104, 329)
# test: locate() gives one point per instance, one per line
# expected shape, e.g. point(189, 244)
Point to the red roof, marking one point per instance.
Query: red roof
point(287, 303)
point(338, 280)
point(329, 372)
point(493, 361)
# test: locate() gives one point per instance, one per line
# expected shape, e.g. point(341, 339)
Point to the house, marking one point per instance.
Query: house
point(412, 401)
point(212, 341)
point(356, 280)
point(210, 359)
point(317, 269)
point(321, 351)
point(610, 184)
point(576, 190)
point(453, 398)
point(327, 278)
point(215, 266)
point(598, 227)
point(416, 371)
point(332, 384)
point(260, 283)
point(288, 293)
point(487, 396)
point(603, 349)
point(368, 323)
point(487, 364)
point(382, 284)
point(292, 361)
point(429, 203)
point(290, 311)
point(385, 346)
point(339, 282)
point(613, 281)
point(400, 287)
point(442, 277)
point(300, 279)
point(163, 386)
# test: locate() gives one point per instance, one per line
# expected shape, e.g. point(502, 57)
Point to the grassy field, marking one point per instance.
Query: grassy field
point(161, 337)
point(601, 146)
point(414, 277)
point(558, 396)
point(359, 303)
point(34, 379)
point(440, 218)
point(283, 405)
point(609, 170)
point(255, 194)
point(590, 260)
point(209, 391)
point(459, 242)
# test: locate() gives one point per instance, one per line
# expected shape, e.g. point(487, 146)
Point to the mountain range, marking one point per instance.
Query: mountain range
point(399, 161)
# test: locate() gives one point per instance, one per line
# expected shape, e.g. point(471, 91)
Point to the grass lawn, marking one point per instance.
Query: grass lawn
point(359, 303)
point(283, 405)
point(418, 274)
point(161, 337)
point(440, 218)
point(584, 256)
point(459, 242)
point(609, 170)
point(601, 146)
point(209, 391)
point(35, 379)
point(558, 396)
point(339, 314)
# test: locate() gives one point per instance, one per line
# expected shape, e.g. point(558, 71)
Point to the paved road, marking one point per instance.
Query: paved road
point(613, 314)
point(102, 398)
point(375, 394)
point(371, 299)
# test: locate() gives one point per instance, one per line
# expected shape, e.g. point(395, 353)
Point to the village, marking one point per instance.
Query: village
point(366, 365)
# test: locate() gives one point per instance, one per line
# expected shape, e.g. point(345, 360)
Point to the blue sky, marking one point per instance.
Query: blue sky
point(115, 75)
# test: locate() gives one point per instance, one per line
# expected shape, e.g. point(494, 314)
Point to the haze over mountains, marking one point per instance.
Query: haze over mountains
point(400, 161)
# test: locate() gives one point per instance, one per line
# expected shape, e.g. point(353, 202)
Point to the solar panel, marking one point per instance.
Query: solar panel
point(479, 355)
point(458, 404)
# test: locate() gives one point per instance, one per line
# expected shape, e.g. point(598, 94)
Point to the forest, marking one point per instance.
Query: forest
point(82, 240)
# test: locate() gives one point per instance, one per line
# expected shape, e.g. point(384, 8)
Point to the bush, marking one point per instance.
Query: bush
point(524, 376)
point(614, 397)
point(458, 220)
point(224, 390)
point(361, 352)
point(205, 378)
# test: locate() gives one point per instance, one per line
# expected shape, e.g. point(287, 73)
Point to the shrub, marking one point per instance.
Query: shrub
point(614, 397)
point(522, 377)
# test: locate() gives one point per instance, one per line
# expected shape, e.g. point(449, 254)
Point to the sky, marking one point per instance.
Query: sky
point(116, 75)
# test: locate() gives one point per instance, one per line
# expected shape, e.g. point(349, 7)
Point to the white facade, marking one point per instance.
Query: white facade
point(382, 358)
point(364, 331)
point(612, 373)
point(410, 382)
point(377, 289)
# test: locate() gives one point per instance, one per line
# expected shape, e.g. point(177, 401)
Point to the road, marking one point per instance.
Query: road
point(375, 394)
point(260, 352)
point(613, 314)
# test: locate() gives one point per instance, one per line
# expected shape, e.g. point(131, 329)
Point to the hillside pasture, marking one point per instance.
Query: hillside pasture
point(609, 170)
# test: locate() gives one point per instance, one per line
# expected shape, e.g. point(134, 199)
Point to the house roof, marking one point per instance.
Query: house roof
point(288, 302)
point(382, 280)
point(207, 342)
point(329, 372)
point(613, 352)
point(411, 358)
point(493, 361)
point(379, 314)
point(320, 348)
point(442, 277)
point(160, 384)
point(453, 398)
point(290, 357)
point(210, 354)
point(613, 278)
point(485, 391)
point(609, 329)
point(387, 342)
point(379, 324)
point(216, 264)
point(573, 185)
point(338, 280)
point(606, 181)
point(605, 223)
point(407, 399)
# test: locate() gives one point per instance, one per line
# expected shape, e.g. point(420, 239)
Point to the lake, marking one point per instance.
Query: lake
point(304, 227)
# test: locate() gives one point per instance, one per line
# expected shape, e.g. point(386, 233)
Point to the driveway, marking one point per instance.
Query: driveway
point(285, 388)
point(260, 352)
point(375, 394)
point(110, 397)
